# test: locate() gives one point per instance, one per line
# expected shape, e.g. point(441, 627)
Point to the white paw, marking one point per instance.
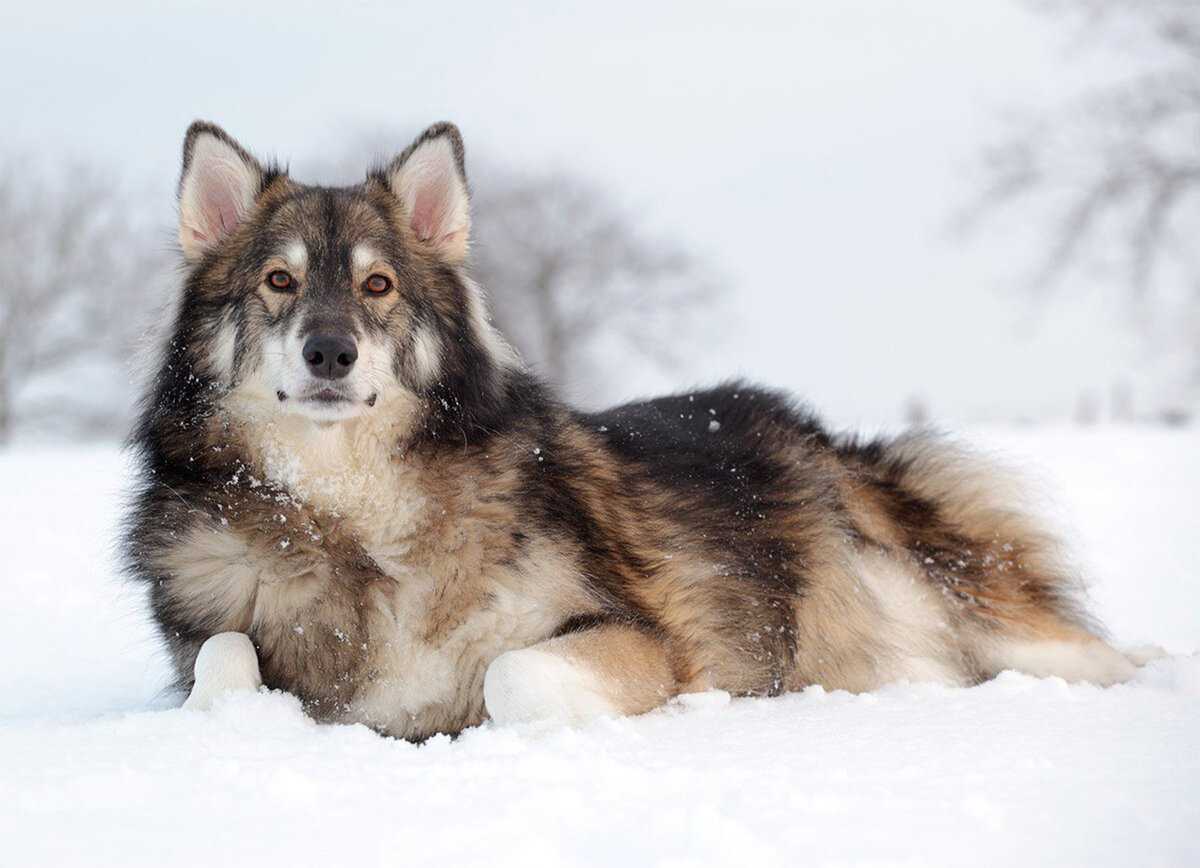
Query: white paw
point(535, 685)
point(226, 662)
point(1140, 655)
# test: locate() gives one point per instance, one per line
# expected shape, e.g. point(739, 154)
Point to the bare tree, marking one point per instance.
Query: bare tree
point(574, 280)
point(76, 271)
point(916, 412)
point(1112, 176)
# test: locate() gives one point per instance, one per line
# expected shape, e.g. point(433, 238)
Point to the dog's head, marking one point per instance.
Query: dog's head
point(331, 303)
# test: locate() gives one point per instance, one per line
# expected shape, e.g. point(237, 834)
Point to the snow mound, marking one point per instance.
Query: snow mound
point(1017, 770)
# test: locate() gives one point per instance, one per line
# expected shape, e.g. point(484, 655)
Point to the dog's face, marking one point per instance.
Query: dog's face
point(328, 303)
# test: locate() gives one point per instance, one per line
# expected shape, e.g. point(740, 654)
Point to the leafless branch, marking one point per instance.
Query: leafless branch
point(1114, 168)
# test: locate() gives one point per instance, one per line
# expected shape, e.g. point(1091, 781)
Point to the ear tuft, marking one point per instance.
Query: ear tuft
point(217, 189)
point(430, 181)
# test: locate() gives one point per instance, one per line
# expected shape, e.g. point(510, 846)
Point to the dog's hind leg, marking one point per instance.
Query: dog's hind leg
point(608, 670)
point(226, 662)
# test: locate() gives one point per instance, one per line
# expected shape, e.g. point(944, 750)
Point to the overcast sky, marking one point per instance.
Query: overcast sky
point(814, 153)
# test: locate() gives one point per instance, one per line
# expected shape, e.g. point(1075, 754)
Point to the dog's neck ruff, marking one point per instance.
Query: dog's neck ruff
point(352, 469)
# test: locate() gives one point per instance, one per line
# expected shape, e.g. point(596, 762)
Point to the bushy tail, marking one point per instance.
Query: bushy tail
point(969, 525)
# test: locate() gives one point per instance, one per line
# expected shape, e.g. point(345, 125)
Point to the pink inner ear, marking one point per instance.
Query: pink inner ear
point(429, 208)
point(434, 195)
point(218, 202)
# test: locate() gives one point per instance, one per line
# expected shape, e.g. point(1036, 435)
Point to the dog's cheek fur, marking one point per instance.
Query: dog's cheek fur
point(424, 357)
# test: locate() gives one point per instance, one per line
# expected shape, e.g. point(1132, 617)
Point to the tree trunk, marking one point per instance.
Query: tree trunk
point(6, 412)
point(555, 361)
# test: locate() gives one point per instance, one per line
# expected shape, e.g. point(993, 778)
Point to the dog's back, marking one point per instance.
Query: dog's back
point(786, 556)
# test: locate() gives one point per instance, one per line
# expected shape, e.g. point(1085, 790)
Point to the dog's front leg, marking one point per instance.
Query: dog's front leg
point(226, 662)
point(606, 670)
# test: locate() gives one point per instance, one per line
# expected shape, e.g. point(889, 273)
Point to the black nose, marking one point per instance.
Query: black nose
point(330, 357)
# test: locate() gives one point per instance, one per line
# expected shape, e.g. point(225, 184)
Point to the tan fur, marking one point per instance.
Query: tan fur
point(437, 590)
point(631, 667)
point(407, 643)
point(449, 530)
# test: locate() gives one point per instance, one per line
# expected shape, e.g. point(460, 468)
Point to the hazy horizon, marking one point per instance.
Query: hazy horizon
point(815, 157)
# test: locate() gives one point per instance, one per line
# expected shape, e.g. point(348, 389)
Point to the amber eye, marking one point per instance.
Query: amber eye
point(377, 284)
point(281, 281)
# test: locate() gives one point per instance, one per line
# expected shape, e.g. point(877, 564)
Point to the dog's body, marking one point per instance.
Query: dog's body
point(343, 461)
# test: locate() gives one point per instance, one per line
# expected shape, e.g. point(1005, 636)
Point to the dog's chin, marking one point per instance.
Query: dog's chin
point(326, 406)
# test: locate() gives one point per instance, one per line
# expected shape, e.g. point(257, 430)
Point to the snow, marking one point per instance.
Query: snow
point(98, 765)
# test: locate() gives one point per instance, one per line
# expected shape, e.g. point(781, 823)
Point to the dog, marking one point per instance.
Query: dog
point(351, 489)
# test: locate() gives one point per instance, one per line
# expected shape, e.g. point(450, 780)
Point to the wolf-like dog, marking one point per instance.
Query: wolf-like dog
point(353, 490)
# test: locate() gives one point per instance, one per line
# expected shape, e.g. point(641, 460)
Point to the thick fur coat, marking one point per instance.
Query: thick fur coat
point(343, 461)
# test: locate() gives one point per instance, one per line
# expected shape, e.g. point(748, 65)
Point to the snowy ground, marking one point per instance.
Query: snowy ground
point(98, 767)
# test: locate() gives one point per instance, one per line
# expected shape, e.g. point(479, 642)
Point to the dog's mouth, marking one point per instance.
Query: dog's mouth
point(327, 397)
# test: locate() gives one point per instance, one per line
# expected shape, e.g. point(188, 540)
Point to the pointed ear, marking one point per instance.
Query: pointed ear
point(430, 181)
point(217, 189)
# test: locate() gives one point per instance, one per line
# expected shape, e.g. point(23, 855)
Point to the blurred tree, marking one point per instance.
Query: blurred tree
point(574, 280)
point(1087, 409)
point(1112, 177)
point(916, 412)
point(75, 274)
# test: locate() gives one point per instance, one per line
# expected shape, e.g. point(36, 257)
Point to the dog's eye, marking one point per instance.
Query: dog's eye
point(280, 280)
point(377, 284)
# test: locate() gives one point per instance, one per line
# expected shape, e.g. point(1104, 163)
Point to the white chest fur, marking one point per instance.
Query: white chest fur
point(349, 470)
